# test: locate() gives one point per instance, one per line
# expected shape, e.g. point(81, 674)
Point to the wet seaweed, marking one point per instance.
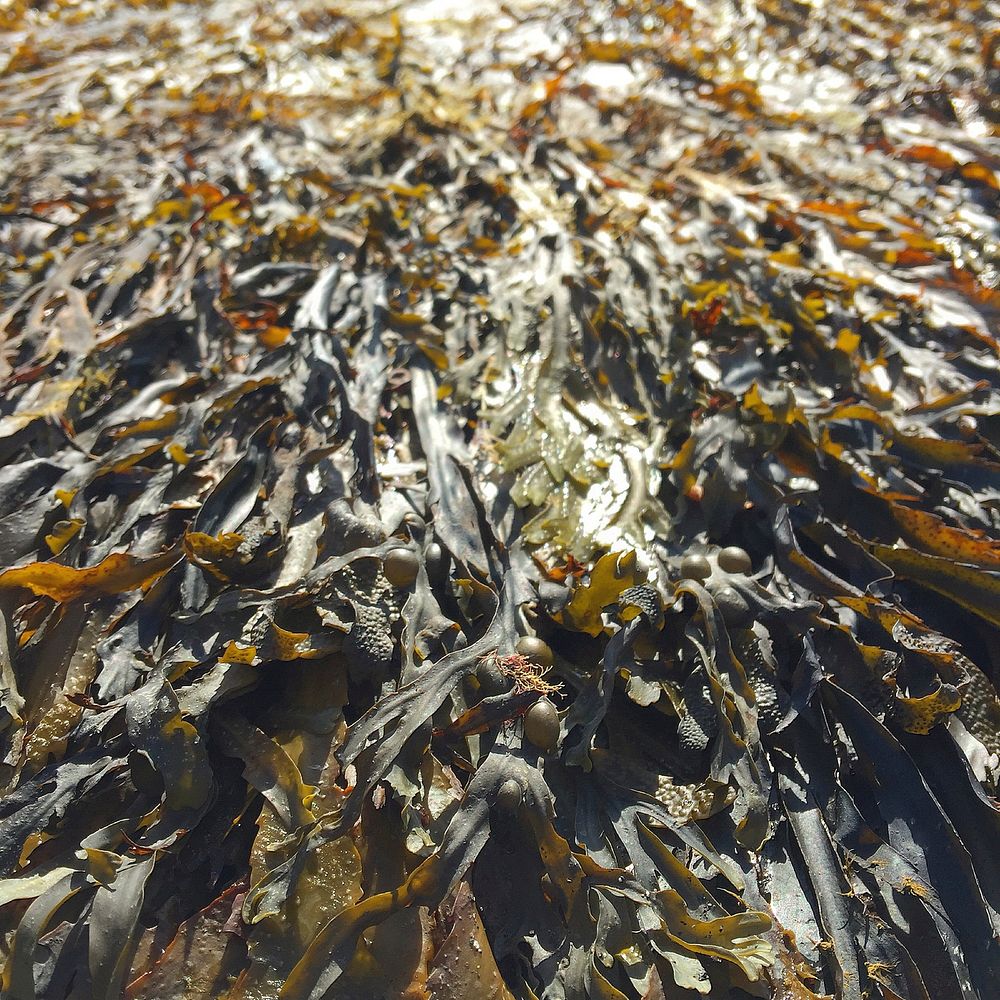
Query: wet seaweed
point(499, 502)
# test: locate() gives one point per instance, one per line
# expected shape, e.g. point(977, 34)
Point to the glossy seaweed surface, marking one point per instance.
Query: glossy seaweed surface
point(499, 500)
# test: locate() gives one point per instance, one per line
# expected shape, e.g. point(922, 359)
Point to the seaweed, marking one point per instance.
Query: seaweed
point(499, 502)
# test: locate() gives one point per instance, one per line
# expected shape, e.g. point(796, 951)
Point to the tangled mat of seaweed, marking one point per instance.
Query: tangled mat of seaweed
point(499, 500)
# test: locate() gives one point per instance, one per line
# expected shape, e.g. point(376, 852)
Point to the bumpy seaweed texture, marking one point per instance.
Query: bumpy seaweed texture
point(662, 334)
